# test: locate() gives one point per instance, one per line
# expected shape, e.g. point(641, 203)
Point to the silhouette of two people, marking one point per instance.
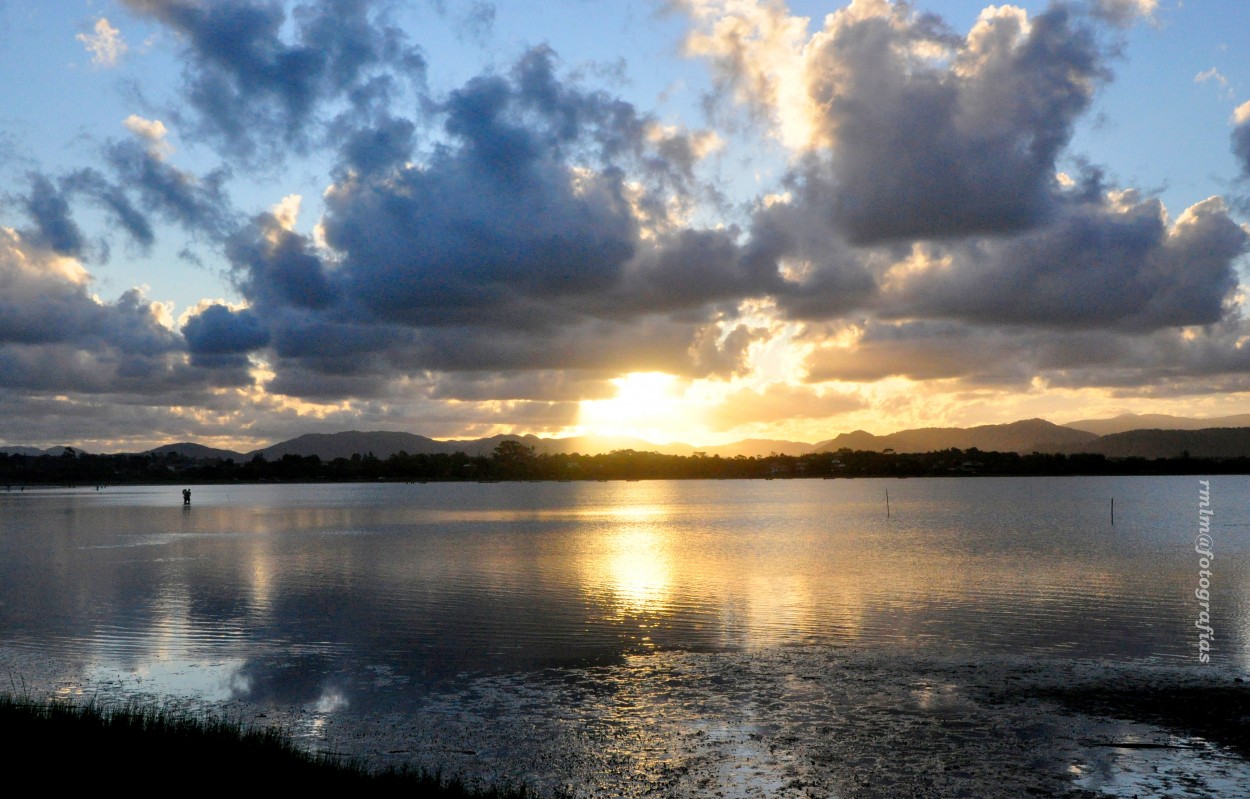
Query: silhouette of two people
point(186, 496)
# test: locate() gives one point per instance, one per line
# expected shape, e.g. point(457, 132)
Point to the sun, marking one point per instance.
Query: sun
point(647, 405)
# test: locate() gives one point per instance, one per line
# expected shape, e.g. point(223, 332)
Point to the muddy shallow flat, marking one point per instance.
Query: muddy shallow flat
point(802, 722)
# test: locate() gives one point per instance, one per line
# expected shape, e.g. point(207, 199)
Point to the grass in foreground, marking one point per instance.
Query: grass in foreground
point(74, 746)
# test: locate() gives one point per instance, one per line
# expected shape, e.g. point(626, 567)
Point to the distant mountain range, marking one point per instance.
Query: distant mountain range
point(1031, 435)
point(1156, 421)
point(1128, 435)
point(35, 451)
point(328, 446)
point(1215, 442)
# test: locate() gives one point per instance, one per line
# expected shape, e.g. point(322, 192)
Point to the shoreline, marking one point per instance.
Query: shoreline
point(219, 752)
point(804, 722)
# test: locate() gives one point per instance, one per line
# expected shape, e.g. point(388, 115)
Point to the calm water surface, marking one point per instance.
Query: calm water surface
point(379, 597)
point(288, 587)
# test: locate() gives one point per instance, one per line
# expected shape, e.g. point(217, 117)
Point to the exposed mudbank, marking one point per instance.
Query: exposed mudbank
point(799, 722)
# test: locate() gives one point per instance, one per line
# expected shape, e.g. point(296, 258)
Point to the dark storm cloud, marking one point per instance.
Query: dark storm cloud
point(112, 198)
point(48, 303)
point(527, 236)
point(324, 359)
point(794, 255)
point(218, 336)
point(140, 183)
point(320, 357)
point(929, 144)
point(930, 192)
point(1005, 357)
point(48, 207)
point(56, 337)
point(1102, 259)
point(254, 89)
point(1097, 266)
point(199, 204)
point(534, 234)
point(483, 226)
point(686, 269)
point(925, 149)
point(379, 148)
point(636, 344)
point(278, 268)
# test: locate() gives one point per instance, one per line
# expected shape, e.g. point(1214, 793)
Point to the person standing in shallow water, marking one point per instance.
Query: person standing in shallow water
point(186, 496)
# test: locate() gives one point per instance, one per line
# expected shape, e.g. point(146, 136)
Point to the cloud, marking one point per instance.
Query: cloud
point(140, 181)
point(48, 207)
point(57, 337)
point(105, 44)
point(258, 81)
point(379, 148)
point(922, 133)
point(1124, 12)
point(1211, 74)
point(779, 402)
point(218, 336)
point(724, 354)
point(198, 204)
point(549, 385)
point(922, 350)
point(932, 140)
point(1109, 265)
point(489, 255)
point(757, 51)
point(277, 267)
point(478, 21)
point(153, 131)
point(927, 186)
point(536, 233)
point(138, 169)
point(112, 198)
point(1241, 138)
point(960, 356)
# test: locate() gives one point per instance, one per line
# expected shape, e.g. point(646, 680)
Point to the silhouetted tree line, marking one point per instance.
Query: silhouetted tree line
point(512, 460)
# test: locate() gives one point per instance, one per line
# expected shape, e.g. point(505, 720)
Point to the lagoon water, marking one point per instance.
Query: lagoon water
point(705, 629)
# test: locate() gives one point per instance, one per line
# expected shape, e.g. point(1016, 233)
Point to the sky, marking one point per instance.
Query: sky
point(237, 221)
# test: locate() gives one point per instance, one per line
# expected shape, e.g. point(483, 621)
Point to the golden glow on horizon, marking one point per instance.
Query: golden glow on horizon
point(649, 405)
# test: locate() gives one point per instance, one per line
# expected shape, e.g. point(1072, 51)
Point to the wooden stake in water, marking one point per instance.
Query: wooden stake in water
point(1113, 511)
point(887, 503)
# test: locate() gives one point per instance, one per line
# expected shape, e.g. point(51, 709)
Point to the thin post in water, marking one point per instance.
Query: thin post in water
point(887, 503)
point(1113, 511)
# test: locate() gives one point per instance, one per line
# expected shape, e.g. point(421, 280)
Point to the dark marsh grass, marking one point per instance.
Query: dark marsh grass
point(71, 746)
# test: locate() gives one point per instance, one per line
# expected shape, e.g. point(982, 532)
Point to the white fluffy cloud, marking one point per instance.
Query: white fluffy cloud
point(104, 43)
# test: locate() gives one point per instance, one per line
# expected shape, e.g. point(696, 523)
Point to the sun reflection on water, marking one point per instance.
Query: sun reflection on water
point(627, 558)
point(639, 568)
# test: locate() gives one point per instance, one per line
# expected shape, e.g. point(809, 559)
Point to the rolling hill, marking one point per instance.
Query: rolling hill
point(1198, 437)
point(1216, 442)
point(1030, 435)
point(1156, 421)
